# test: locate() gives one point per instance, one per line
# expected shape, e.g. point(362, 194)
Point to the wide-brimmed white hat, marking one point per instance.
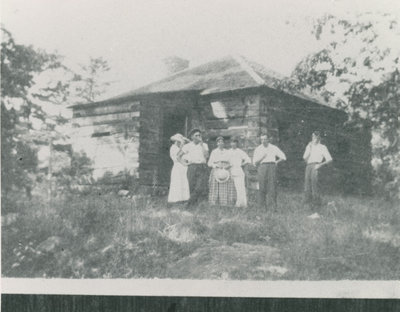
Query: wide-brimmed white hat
point(222, 175)
point(179, 137)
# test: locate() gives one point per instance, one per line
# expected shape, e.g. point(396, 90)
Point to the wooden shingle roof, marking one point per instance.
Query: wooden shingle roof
point(225, 74)
point(217, 76)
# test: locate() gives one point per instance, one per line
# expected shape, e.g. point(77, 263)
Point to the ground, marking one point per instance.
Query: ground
point(112, 236)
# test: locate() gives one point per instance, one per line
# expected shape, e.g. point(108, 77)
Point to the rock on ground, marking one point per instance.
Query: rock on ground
point(180, 233)
point(238, 261)
point(50, 244)
point(123, 192)
point(383, 236)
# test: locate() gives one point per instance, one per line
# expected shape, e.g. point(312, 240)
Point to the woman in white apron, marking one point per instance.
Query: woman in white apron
point(238, 158)
point(179, 185)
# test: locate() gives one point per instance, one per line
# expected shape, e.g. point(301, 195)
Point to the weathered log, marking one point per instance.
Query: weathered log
point(105, 119)
point(133, 106)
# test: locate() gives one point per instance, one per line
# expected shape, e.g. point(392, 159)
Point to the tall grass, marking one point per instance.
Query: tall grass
point(104, 235)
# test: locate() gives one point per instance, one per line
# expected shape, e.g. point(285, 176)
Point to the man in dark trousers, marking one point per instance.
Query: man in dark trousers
point(196, 154)
point(266, 157)
point(316, 155)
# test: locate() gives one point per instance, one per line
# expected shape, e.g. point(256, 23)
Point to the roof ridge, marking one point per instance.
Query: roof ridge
point(181, 71)
point(242, 62)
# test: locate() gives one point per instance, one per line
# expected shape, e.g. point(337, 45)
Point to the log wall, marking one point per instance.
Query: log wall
point(109, 135)
point(292, 121)
point(242, 120)
point(133, 136)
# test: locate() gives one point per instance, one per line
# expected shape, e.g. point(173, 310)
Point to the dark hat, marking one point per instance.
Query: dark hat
point(193, 131)
point(317, 133)
point(235, 139)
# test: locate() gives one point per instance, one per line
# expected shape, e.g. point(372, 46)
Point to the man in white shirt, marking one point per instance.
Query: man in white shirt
point(316, 155)
point(196, 154)
point(266, 157)
point(238, 158)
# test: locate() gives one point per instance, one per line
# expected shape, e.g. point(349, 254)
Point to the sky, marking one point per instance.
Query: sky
point(134, 36)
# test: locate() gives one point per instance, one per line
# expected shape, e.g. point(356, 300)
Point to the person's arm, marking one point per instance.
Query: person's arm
point(180, 152)
point(184, 151)
point(327, 158)
point(307, 152)
point(173, 153)
point(211, 160)
point(257, 157)
point(204, 147)
point(245, 158)
point(281, 155)
point(180, 157)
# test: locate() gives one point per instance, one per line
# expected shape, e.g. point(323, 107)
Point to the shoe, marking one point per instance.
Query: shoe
point(314, 216)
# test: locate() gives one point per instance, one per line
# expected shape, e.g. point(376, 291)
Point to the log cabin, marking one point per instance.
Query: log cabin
point(128, 135)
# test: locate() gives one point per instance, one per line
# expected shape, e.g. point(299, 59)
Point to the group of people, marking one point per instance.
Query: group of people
point(192, 181)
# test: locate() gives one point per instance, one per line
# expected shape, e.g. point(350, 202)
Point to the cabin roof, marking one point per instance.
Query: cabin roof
point(225, 74)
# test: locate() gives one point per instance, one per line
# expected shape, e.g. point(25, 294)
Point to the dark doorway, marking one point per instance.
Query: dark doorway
point(173, 122)
point(292, 141)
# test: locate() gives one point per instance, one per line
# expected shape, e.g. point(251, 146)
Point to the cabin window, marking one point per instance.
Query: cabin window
point(101, 134)
point(135, 106)
point(218, 109)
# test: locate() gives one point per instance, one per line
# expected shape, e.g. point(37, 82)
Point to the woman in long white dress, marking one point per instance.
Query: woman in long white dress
point(179, 185)
point(238, 158)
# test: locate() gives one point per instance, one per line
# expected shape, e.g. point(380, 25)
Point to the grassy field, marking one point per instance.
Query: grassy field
point(108, 236)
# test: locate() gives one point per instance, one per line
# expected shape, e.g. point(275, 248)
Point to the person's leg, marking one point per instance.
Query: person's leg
point(223, 194)
point(307, 185)
point(271, 185)
point(198, 187)
point(241, 200)
point(213, 189)
point(236, 184)
point(184, 184)
point(203, 182)
point(192, 179)
point(316, 199)
point(243, 191)
point(231, 192)
point(261, 175)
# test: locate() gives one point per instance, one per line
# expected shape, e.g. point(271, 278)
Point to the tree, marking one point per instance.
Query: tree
point(36, 86)
point(89, 84)
point(19, 65)
point(358, 70)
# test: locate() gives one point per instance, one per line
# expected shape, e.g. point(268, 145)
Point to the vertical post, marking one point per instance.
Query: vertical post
point(130, 218)
point(157, 173)
point(50, 173)
point(154, 182)
point(125, 149)
point(186, 126)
